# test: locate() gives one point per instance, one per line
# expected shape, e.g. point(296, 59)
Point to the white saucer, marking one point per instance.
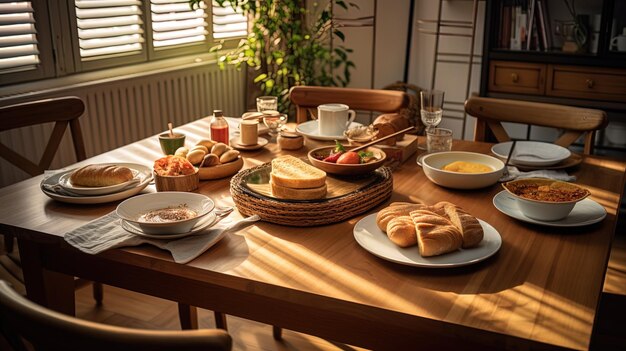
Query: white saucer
point(585, 212)
point(234, 142)
point(547, 154)
point(310, 130)
point(205, 222)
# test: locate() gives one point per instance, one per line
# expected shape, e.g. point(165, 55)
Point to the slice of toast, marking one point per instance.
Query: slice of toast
point(282, 192)
point(291, 172)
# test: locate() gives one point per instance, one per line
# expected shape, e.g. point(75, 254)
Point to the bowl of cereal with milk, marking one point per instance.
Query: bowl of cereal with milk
point(462, 170)
point(166, 212)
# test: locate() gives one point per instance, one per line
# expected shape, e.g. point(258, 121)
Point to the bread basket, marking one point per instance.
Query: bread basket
point(177, 183)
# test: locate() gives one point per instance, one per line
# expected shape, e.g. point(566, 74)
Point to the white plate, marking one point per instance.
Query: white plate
point(64, 181)
point(585, 212)
point(203, 224)
point(372, 239)
point(547, 154)
point(146, 174)
point(310, 129)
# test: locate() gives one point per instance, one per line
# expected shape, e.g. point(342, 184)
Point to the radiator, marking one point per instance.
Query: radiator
point(125, 110)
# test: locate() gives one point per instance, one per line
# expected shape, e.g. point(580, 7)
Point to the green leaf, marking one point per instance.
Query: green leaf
point(260, 77)
point(340, 35)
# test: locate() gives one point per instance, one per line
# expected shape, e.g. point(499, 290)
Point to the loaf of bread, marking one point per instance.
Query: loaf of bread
point(100, 175)
point(436, 235)
point(395, 209)
point(282, 192)
point(390, 123)
point(468, 225)
point(291, 172)
point(401, 231)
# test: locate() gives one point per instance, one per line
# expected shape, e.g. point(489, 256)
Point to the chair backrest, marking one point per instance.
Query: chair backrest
point(574, 121)
point(307, 98)
point(49, 330)
point(63, 111)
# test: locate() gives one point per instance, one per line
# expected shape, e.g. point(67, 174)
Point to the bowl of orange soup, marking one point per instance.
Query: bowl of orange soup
point(462, 170)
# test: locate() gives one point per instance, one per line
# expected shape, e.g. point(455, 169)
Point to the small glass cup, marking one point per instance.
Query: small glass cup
point(438, 140)
point(169, 144)
point(264, 103)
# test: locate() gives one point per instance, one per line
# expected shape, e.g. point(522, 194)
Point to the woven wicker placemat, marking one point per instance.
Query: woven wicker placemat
point(309, 213)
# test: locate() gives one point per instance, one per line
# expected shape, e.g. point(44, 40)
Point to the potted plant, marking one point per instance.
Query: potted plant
point(289, 43)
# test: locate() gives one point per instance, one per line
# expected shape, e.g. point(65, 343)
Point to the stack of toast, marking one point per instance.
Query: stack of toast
point(294, 179)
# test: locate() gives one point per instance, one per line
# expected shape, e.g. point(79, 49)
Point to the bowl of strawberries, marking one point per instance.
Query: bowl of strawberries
point(341, 160)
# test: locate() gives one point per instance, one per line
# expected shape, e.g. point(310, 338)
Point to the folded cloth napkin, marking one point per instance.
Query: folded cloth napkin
point(515, 173)
point(106, 233)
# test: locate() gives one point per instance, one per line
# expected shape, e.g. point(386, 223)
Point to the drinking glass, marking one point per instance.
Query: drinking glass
point(431, 107)
point(438, 139)
point(265, 103)
point(275, 123)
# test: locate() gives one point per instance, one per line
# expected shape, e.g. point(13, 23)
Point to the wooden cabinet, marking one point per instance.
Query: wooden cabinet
point(593, 76)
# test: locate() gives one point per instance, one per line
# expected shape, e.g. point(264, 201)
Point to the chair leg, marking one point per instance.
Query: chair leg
point(277, 332)
point(220, 320)
point(8, 243)
point(188, 316)
point(97, 293)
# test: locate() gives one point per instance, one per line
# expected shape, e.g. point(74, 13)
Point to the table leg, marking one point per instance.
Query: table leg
point(188, 316)
point(50, 289)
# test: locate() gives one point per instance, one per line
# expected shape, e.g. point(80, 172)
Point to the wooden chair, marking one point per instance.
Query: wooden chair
point(574, 121)
point(49, 330)
point(63, 112)
point(307, 98)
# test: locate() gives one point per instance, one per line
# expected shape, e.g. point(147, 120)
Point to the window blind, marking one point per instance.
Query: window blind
point(227, 23)
point(18, 36)
point(174, 22)
point(107, 27)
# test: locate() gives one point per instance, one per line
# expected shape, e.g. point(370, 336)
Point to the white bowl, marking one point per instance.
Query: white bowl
point(131, 209)
point(432, 165)
point(544, 210)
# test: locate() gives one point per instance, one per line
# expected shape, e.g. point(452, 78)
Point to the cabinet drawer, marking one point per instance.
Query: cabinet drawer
point(515, 77)
point(587, 83)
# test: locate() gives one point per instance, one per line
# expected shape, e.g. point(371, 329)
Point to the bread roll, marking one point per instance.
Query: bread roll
point(401, 231)
point(282, 192)
point(468, 225)
point(436, 235)
point(390, 123)
point(100, 175)
point(395, 209)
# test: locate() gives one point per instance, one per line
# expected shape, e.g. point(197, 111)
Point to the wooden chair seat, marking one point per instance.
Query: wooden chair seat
point(307, 98)
point(573, 121)
point(48, 330)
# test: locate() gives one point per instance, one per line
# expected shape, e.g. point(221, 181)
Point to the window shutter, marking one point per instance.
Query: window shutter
point(18, 37)
point(109, 27)
point(227, 23)
point(174, 22)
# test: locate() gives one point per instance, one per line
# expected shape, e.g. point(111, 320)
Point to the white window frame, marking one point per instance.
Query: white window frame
point(57, 34)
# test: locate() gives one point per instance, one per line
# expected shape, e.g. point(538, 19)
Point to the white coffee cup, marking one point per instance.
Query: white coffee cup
point(249, 130)
point(620, 42)
point(334, 119)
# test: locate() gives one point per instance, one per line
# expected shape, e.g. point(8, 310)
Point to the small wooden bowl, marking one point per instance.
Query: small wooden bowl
point(340, 169)
point(221, 171)
point(177, 183)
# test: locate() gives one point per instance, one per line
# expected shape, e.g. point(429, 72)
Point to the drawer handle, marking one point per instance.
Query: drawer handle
point(514, 77)
point(590, 83)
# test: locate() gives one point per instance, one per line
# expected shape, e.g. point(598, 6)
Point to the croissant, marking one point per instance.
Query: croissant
point(395, 209)
point(100, 175)
point(468, 225)
point(401, 231)
point(436, 235)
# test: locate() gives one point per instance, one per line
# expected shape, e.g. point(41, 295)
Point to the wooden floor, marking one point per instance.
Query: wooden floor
point(125, 308)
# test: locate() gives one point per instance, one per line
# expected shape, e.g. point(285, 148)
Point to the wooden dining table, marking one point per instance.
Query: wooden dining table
point(539, 291)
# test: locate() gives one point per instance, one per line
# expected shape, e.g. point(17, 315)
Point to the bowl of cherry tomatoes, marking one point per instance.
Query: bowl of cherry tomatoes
point(341, 160)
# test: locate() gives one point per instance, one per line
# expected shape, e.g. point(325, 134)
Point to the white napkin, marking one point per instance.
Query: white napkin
point(106, 233)
point(515, 173)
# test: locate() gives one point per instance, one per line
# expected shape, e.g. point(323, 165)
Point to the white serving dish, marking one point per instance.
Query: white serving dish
point(543, 210)
point(531, 153)
point(131, 209)
point(432, 165)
